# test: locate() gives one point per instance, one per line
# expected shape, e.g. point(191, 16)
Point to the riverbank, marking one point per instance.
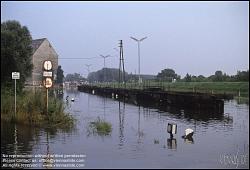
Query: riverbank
point(234, 88)
point(31, 110)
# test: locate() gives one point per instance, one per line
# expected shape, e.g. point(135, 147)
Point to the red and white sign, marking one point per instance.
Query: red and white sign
point(47, 65)
point(48, 82)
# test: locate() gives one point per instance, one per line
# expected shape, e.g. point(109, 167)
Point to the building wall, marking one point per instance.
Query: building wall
point(44, 52)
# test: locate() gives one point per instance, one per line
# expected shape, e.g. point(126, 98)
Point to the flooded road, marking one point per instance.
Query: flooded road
point(139, 137)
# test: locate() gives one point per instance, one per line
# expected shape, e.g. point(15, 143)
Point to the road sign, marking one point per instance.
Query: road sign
point(15, 75)
point(48, 82)
point(47, 65)
point(47, 74)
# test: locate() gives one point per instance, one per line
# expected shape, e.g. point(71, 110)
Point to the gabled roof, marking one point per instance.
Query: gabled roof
point(36, 44)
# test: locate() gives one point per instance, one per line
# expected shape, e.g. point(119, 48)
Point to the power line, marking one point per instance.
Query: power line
point(84, 58)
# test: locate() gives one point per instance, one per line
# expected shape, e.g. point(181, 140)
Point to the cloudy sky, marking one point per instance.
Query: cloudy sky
point(189, 37)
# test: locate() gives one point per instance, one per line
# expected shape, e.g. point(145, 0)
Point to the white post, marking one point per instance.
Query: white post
point(15, 98)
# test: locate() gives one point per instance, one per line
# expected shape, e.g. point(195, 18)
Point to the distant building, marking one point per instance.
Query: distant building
point(42, 50)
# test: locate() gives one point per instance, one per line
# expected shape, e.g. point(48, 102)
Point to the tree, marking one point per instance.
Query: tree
point(106, 74)
point(201, 78)
point(242, 75)
point(167, 75)
point(59, 75)
point(16, 52)
point(74, 77)
point(188, 78)
point(218, 76)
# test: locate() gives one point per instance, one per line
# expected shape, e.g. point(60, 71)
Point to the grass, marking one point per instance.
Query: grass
point(100, 127)
point(31, 110)
point(203, 87)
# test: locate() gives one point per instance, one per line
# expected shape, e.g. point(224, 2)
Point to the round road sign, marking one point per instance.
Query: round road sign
point(47, 65)
point(48, 82)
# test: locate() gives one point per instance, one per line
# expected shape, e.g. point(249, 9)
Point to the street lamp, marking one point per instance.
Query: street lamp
point(138, 41)
point(104, 57)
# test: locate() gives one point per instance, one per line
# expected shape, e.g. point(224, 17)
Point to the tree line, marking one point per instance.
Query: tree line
point(167, 75)
point(170, 75)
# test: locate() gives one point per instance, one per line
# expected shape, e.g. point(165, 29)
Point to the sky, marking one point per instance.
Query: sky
point(198, 38)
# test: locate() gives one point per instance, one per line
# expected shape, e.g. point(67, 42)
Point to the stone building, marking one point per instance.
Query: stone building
point(42, 50)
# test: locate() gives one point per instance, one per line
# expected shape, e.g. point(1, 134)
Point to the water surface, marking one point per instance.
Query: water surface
point(139, 137)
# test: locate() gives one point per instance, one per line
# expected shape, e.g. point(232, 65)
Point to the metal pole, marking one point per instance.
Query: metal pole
point(104, 62)
point(138, 41)
point(139, 62)
point(123, 70)
point(15, 98)
point(47, 101)
point(120, 45)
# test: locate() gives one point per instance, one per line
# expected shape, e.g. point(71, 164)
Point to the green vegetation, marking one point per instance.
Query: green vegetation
point(31, 110)
point(74, 77)
point(100, 127)
point(16, 52)
point(211, 87)
point(169, 75)
point(59, 75)
point(203, 87)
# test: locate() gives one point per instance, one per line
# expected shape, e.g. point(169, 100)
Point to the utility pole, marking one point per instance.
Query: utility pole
point(138, 42)
point(121, 62)
point(88, 65)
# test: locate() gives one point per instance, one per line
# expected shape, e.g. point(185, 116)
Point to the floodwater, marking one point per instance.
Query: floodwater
point(139, 137)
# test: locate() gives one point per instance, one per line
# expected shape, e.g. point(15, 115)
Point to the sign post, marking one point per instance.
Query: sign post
point(47, 73)
point(47, 83)
point(47, 97)
point(15, 75)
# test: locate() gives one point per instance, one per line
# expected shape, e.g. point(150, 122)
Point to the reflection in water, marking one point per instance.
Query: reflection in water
point(72, 92)
point(121, 123)
point(15, 138)
point(138, 151)
point(172, 143)
point(48, 162)
point(189, 140)
point(140, 133)
point(104, 107)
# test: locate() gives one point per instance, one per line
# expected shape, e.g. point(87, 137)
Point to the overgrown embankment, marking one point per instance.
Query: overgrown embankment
point(31, 109)
point(235, 88)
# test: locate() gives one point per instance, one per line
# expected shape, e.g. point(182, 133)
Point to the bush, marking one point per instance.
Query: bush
point(31, 109)
point(101, 127)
